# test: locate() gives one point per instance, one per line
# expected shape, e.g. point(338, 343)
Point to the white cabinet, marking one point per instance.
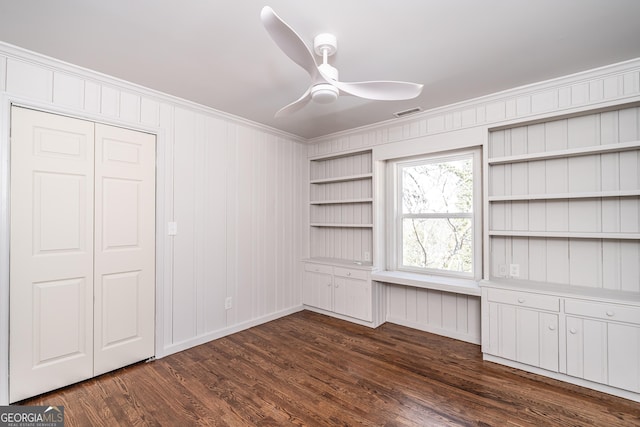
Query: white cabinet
point(318, 286)
point(340, 290)
point(352, 293)
point(577, 338)
point(603, 343)
point(523, 327)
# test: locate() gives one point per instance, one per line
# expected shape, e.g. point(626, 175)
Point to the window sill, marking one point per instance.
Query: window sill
point(438, 283)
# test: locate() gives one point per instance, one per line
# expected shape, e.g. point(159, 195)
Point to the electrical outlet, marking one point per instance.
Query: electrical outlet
point(367, 256)
point(228, 303)
point(502, 270)
point(514, 270)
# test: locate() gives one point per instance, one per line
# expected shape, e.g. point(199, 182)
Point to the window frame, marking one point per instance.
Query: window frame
point(395, 215)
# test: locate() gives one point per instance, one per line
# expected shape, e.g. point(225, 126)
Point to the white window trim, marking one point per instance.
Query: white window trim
point(394, 202)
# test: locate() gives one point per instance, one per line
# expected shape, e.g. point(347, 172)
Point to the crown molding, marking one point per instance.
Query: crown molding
point(20, 54)
point(502, 96)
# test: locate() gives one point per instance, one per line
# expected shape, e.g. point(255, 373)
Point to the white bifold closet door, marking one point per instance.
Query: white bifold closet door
point(82, 250)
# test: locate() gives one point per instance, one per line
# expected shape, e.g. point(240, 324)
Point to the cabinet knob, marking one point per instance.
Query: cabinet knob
point(328, 284)
point(520, 300)
point(573, 331)
point(552, 327)
point(337, 285)
point(348, 273)
point(610, 313)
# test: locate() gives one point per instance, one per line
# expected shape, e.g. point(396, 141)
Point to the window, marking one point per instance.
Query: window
point(436, 228)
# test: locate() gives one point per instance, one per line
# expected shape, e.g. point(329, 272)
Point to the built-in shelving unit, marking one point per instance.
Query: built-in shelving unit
point(564, 250)
point(564, 201)
point(337, 277)
point(341, 207)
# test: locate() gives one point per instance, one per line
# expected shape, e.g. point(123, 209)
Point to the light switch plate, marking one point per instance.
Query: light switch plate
point(172, 228)
point(514, 270)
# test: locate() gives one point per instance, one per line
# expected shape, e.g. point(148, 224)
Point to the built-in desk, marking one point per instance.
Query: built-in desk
point(439, 283)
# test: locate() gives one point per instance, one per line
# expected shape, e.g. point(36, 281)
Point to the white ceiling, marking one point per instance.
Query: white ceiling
point(218, 54)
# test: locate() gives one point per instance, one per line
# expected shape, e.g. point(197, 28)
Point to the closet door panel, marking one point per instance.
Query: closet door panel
point(124, 247)
point(51, 263)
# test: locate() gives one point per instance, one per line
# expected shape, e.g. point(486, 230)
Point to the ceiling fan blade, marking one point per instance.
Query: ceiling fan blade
point(295, 105)
point(289, 41)
point(380, 90)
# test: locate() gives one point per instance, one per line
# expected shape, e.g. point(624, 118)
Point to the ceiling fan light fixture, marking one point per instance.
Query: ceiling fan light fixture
point(324, 93)
point(325, 86)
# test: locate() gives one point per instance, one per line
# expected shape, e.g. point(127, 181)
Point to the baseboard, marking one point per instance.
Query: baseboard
point(434, 330)
point(603, 388)
point(220, 333)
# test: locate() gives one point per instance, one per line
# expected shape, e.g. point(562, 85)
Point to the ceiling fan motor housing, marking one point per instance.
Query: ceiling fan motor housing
point(325, 42)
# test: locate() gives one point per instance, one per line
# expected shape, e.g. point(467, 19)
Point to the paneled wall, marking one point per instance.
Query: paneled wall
point(239, 227)
point(444, 313)
point(237, 190)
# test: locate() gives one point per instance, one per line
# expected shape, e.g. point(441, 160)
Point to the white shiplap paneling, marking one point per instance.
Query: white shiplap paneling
point(29, 81)
point(110, 101)
point(68, 90)
point(92, 96)
point(184, 244)
point(453, 315)
point(3, 72)
point(129, 107)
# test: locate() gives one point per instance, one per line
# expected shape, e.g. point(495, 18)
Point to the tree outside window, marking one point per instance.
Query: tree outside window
point(435, 215)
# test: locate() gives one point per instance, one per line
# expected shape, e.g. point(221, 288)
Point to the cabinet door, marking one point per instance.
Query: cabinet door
point(318, 290)
point(524, 335)
point(51, 246)
point(623, 344)
point(587, 349)
point(352, 297)
point(124, 255)
point(604, 352)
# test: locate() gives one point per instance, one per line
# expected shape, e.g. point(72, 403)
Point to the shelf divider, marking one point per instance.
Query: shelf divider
point(566, 235)
point(543, 196)
point(571, 152)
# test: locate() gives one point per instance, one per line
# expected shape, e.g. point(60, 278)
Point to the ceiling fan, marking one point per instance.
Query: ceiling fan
point(325, 86)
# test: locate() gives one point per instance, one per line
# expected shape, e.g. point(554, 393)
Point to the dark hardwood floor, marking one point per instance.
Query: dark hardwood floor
point(312, 370)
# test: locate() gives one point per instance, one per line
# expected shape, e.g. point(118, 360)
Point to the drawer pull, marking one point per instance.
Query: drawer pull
point(573, 331)
point(316, 269)
point(328, 284)
point(552, 327)
point(349, 274)
point(610, 313)
point(520, 300)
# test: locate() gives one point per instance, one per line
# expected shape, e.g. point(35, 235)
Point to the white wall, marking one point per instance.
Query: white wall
point(458, 126)
point(237, 190)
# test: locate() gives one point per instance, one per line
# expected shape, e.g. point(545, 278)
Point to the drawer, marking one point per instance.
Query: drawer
point(524, 299)
point(318, 268)
point(616, 312)
point(351, 273)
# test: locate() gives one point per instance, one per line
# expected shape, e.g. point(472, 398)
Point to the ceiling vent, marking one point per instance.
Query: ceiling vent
point(407, 112)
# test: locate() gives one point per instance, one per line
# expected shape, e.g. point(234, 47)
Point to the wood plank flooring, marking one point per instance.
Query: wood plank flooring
point(312, 370)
